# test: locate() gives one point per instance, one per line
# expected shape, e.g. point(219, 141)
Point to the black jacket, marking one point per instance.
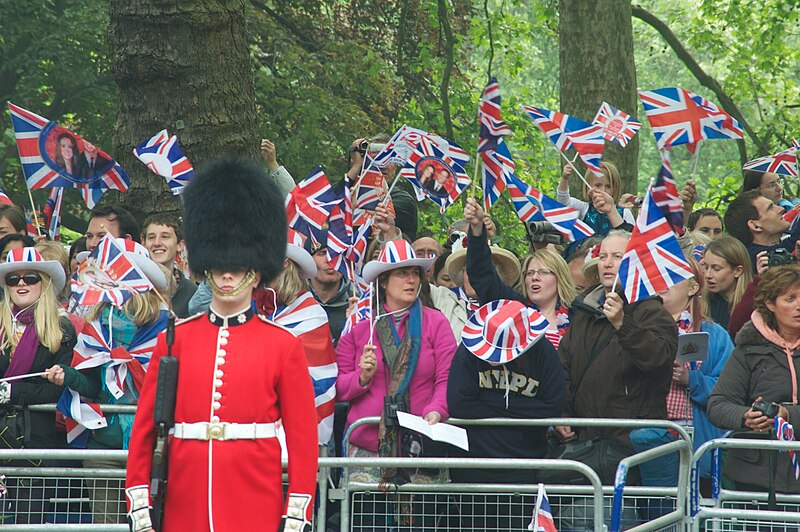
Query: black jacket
point(38, 390)
point(477, 389)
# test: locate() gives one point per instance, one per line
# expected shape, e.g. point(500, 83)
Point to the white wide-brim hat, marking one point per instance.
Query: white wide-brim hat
point(502, 330)
point(395, 254)
point(304, 261)
point(24, 259)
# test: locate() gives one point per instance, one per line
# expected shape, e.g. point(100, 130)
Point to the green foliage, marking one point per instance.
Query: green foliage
point(329, 72)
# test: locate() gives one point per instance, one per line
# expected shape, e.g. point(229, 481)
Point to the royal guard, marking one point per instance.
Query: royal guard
point(238, 374)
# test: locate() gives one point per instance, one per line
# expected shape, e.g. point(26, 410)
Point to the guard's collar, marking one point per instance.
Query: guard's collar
point(238, 318)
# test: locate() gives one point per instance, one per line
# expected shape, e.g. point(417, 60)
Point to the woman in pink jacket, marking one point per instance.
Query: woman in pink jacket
point(401, 359)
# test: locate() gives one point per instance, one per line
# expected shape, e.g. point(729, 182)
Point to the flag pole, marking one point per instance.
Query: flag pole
point(696, 158)
point(570, 162)
point(35, 217)
point(389, 192)
point(475, 173)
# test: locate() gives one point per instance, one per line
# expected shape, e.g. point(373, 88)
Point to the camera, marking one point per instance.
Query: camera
point(392, 404)
point(543, 233)
point(364, 146)
point(768, 409)
point(780, 257)
point(637, 202)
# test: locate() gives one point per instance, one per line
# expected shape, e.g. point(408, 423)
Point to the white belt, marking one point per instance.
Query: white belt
point(224, 431)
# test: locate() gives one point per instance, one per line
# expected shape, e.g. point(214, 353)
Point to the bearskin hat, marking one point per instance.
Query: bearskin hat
point(234, 220)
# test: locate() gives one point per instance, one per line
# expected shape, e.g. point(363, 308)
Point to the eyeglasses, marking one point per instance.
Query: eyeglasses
point(426, 254)
point(13, 279)
point(544, 272)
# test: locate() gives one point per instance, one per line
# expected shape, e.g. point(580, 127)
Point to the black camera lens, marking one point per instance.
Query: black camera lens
point(364, 146)
point(780, 257)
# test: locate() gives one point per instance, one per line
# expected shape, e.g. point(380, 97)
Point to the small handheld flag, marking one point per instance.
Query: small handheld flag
point(783, 162)
point(434, 174)
point(163, 156)
point(108, 275)
point(618, 127)
point(678, 116)
point(653, 259)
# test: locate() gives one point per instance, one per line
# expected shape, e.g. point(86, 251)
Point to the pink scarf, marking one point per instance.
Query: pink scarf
point(773, 336)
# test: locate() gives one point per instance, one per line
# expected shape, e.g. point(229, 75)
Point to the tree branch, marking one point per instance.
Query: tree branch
point(697, 71)
point(444, 90)
point(305, 42)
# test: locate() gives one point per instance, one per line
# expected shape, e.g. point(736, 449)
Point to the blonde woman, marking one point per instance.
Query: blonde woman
point(727, 270)
point(548, 285)
point(288, 302)
point(36, 334)
point(130, 333)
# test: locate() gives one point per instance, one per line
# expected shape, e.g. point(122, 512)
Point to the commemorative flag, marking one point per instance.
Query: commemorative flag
point(434, 174)
point(618, 127)
point(108, 275)
point(53, 156)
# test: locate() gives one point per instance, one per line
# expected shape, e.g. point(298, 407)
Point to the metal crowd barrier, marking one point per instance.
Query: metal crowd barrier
point(732, 510)
point(561, 497)
point(61, 490)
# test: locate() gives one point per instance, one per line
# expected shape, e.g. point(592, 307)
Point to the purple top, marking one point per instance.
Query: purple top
point(428, 390)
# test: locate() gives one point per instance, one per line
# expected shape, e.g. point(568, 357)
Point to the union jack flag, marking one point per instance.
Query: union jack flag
point(490, 117)
point(653, 259)
point(346, 254)
point(555, 125)
point(34, 222)
point(108, 275)
point(36, 135)
point(532, 205)
point(542, 514)
point(124, 365)
point(370, 190)
point(785, 432)
point(362, 310)
point(589, 142)
point(4, 199)
point(79, 416)
point(783, 162)
point(455, 182)
point(306, 318)
point(618, 127)
point(310, 203)
point(497, 163)
point(678, 116)
point(163, 156)
point(404, 141)
point(666, 196)
point(52, 213)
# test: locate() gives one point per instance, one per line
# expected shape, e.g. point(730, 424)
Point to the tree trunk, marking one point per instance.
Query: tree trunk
point(183, 66)
point(597, 64)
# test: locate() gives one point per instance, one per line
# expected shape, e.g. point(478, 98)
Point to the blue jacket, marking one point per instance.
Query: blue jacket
point(701, 382)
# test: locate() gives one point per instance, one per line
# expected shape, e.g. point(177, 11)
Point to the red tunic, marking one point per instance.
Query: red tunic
point(251, 372)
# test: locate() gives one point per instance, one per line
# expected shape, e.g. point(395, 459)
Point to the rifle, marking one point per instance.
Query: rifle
point(164, 417)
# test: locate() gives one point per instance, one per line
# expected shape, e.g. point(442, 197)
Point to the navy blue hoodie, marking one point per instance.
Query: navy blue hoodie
point(477, 389)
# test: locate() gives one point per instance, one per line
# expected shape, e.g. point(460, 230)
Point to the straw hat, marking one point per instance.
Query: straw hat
point(502, 330)
point(505, 262)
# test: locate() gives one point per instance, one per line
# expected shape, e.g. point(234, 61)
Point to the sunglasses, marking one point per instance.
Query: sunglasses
point(13, 279)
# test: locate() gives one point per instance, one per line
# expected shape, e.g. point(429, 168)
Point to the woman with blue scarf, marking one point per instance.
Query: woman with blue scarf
point(112, 356)
point(402, 357)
